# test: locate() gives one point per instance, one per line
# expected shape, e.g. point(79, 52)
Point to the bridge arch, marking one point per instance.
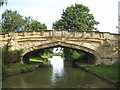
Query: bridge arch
point(62, 44)
point(103, 45)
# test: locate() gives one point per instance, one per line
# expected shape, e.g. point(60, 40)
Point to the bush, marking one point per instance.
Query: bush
point(19, 52)
point(11, 56)
point(73, 55)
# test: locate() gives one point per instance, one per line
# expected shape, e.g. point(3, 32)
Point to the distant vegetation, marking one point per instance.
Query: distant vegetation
point(72, 55)
point(59, 54)
point(41, 55)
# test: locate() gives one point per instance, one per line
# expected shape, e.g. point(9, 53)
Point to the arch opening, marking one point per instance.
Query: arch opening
point(90, 58)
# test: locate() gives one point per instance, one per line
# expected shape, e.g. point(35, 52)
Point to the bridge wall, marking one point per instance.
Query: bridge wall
point(103, 45)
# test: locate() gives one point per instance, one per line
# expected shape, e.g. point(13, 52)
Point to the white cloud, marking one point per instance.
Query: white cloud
point(105, 12)
point(47, 16)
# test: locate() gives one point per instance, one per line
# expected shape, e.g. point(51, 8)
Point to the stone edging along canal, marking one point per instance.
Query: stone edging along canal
point(107, 78)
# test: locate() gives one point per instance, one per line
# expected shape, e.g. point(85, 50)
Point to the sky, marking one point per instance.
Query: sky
point(49, 11)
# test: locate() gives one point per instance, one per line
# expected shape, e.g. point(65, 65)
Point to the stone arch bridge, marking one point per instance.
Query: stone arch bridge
point(103, 45)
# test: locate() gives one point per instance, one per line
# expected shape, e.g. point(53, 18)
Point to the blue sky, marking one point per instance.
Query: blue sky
point(49, 11)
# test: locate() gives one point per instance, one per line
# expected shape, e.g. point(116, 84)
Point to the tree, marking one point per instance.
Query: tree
point(31, 24)
point(12, 21)
point(38, 26)
point(76, 17)
point(2, 2)
point(1, 29)
point(28, 21)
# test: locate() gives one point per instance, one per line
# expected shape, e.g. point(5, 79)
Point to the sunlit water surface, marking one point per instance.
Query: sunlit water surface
point(56, 76)
point(57, 69)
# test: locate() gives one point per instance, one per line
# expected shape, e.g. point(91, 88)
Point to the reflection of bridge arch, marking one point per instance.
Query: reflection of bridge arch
point(102, 45)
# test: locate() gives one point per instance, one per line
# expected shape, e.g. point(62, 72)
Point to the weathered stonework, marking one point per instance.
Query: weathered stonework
point(104, 46)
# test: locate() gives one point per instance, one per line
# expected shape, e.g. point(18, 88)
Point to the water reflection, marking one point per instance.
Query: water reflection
point(56, 77)
point(57, 69)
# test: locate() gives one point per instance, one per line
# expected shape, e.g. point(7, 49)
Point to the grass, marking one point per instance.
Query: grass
point(22, 66)
point(109, 70)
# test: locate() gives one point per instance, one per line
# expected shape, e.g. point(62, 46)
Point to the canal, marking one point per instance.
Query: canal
point(56, 76)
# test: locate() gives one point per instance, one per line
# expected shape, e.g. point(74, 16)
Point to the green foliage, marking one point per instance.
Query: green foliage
point(59, 54)
point(76, 17)
point(67, 54)
point(32, 24)
point(19, 54)
point(46, 53)
point(72, 55)
point(75, 55)
point(13, 21)
point(28, 21)
point(11, 56)
point(2, 2)
point(1, 29)
point(5, 55)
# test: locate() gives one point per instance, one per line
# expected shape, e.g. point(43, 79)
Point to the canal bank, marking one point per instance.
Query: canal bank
point(98, 74)
point(19, 68)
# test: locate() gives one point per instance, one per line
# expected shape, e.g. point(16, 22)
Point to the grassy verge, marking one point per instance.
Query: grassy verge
point(16, 68)
point(108, 70)
point(21, 66)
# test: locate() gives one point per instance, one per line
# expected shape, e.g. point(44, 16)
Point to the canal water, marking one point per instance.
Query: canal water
point(56, 76)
